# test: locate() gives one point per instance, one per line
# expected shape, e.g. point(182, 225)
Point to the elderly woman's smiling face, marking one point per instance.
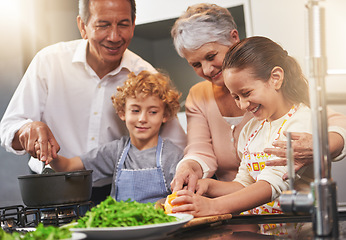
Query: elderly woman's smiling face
point(207, 61)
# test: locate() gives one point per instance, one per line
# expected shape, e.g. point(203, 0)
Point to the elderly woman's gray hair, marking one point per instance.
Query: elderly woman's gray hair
point(84, 11)
point(200, 24)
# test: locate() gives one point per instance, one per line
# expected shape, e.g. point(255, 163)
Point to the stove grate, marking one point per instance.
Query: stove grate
point(18, 216)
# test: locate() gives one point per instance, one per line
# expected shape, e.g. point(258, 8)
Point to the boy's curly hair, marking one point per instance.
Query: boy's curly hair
point(151, 84)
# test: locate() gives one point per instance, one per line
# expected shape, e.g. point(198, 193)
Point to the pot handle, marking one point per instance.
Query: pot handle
point(76, 174)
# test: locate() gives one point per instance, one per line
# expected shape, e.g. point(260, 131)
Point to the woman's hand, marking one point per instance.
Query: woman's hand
point(187, 176)
point(302, 151)
point(302, 145)
point(194, 204)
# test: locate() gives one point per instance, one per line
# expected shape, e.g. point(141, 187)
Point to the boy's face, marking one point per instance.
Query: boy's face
point(143, 117)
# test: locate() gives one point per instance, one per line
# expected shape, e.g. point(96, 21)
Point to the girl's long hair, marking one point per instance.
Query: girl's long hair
point(261, 55)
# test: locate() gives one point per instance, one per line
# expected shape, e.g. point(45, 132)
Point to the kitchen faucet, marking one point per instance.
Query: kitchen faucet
point(321, 200)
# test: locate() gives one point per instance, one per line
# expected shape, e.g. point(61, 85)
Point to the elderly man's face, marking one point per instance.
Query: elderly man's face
point(109, 31)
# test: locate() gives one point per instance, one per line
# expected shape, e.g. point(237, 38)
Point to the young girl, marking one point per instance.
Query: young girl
point(141, 165)
point(267, 82)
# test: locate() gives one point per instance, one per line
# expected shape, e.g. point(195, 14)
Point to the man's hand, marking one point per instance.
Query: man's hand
point(302, 145)
point(36, 133)
point(187, 176)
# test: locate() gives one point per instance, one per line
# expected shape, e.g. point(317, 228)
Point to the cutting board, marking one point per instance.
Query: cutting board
point(199, 220)
point(207, 220)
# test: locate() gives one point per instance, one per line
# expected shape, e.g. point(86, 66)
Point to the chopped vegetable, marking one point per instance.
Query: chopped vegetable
point(41, 233)
point(111, 213)
point(168, 203)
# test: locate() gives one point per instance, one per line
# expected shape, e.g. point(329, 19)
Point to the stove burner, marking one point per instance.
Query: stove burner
point(18, 216)
point(58, 216)
point(10, 217)
point(61, 214)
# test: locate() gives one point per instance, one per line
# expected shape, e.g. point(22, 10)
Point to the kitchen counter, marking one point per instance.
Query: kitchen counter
point(237, 227)
point(245, 227)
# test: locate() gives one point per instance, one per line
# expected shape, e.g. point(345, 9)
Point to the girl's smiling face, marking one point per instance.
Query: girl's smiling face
point(262, 98)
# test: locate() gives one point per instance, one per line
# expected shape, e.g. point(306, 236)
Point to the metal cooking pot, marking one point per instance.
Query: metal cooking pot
point(39, 190)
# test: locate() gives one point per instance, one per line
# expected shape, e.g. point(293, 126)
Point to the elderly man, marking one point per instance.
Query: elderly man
point(64, 101)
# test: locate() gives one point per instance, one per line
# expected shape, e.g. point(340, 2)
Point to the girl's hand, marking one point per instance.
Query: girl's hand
point(194, 204)
point(202, 186)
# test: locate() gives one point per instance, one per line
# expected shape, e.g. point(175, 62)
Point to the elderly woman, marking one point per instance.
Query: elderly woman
point(202, 35)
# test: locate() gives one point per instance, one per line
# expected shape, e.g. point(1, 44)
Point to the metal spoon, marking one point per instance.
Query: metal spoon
point(46, 170)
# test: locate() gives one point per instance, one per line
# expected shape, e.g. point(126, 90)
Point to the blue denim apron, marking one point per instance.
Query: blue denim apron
point(141, 185)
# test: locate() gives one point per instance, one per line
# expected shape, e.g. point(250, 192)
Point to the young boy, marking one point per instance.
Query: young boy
point(142, 164)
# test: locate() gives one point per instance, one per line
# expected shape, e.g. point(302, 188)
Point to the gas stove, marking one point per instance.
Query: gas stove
point(17, 217)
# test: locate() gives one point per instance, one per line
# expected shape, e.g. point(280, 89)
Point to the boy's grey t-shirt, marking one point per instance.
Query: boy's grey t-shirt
point(104, 160)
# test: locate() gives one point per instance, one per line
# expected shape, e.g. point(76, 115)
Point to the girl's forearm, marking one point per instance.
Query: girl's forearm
point(221, 188)
point(247, 198)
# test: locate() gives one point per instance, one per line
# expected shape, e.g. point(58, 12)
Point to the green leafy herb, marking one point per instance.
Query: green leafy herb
point(111, 213)
point(41, 233)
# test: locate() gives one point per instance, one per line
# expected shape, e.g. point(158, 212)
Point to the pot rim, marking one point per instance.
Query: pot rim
point(76, 173)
